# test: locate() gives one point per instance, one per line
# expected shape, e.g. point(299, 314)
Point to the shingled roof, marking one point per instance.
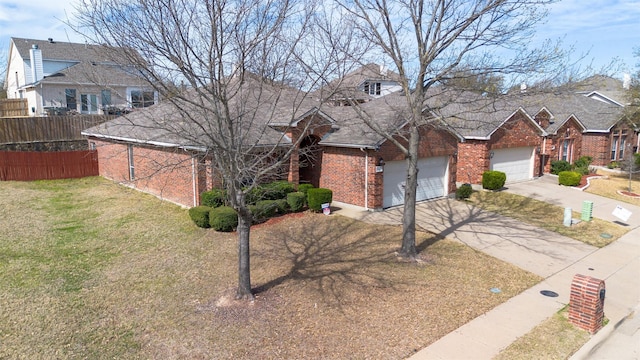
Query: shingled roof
point(88, 64)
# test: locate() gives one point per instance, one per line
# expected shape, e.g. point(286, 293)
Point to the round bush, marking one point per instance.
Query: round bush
point(200, 215)
point(569, 178)
point(557, 166)
point(303, 188)
point(318, 196)
point(277, 190)
point(464, 191)
point(493, 180)
point(296, 200)
point(223, 218)
point(213, 198)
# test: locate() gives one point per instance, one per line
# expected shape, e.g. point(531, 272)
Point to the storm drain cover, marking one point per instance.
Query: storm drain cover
point(606, 236)
point(549, 293)
point(495, 290)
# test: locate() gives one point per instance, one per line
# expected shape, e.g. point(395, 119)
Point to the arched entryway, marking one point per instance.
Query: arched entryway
point(310, 160)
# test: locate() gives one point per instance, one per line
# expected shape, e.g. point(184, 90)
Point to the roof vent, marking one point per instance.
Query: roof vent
point(523, 88)
point(626, 81)
point(50, 40)
point(34, 46)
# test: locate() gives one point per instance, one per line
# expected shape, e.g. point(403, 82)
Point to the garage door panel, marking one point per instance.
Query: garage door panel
point(432, 180)
point(516, 163)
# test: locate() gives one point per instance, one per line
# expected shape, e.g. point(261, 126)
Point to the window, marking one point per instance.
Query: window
point(89, 103)
point(141, 98)
point(105, 96)
point(567, 150)
point(372, 88)
point(618, 143)
point(70, 96)
point(132, 175)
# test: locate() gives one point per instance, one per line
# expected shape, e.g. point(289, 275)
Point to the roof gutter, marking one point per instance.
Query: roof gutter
point(146, 142)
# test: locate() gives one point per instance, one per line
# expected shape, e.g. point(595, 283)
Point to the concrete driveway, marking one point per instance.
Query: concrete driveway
point(539, 251)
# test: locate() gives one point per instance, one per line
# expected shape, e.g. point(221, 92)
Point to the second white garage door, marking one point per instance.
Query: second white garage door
point(517, 163)
point(432, 180)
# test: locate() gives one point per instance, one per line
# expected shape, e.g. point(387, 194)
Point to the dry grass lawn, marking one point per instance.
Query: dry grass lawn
point(615, 181)
point(547, 216)
point(89, 269)
point(555, 338)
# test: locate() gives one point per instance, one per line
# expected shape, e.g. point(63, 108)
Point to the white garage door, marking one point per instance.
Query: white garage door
point(517, 163)
point(432, 180)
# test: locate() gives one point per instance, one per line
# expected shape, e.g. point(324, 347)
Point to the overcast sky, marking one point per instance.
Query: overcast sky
point(605, 28)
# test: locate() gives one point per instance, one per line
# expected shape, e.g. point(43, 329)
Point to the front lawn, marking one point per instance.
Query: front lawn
point(547, 216)
point(614, 183)
point(90, 269)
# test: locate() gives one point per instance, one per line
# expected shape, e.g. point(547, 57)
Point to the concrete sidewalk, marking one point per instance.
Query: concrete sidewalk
point(554, 257)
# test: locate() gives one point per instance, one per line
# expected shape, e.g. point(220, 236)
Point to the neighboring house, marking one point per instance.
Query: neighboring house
point(519, 135)
point(59, 77)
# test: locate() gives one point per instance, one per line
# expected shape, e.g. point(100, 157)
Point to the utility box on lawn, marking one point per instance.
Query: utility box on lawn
point(587, 210)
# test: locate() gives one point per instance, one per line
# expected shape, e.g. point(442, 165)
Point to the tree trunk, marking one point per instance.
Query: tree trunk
point(408, 249)
point(244, 268)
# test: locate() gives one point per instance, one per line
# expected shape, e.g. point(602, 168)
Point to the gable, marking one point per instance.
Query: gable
point(518, 130)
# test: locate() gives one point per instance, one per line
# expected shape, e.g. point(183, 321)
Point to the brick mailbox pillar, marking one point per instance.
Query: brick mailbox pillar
point(586, 303)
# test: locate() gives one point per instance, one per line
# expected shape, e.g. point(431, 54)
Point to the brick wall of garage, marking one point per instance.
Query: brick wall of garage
point(165, 173)
point(343, 169)
point(474, 155)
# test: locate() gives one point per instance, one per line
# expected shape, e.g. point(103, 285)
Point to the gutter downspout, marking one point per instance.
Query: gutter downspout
point(366, 178)
point(193, 180)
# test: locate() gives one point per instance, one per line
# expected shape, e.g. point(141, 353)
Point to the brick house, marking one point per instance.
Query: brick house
point(519, 135)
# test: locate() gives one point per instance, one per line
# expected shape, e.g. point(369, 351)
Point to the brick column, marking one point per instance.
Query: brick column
point(586, 303)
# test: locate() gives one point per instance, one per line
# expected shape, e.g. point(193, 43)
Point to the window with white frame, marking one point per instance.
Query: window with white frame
point(141, 98)
point(89, 103)
point(372, 88)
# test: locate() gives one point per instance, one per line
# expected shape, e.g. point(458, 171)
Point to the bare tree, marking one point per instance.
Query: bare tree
point(243, 66)
point(430, 42)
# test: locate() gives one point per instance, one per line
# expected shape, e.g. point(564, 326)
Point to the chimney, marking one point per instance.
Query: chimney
point(523, 88)
point(626, 81)
point(383, 70)
point(35, 57)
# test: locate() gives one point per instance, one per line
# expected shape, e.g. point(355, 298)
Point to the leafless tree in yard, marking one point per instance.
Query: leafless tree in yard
point(432, 42)
point(243, 65)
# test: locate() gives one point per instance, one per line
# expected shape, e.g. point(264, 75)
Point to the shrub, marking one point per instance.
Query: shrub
point(303, 188)
point(223, 218)
point(200, 215)
point(582, 170)
point(277, 190)
point(464, 191)
point(264, 209)
point(583, 162)
point(296, 200)
point(318, 196)
point(613, 165)
point(282, 206)
point(213, 198)
point(493, 180)
point(254, 195)
point(558, 166)
point(569, 178)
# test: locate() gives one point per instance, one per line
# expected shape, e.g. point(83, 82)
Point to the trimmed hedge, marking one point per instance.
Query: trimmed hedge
point(200, 215)
point(569, 178)
point(318, 196)
point(464, 191)
point(558, 166)
point(223, 218)
point(493, 180)
point(277, 190)
point(303, 188)
point(213, 198)
point(296, 200)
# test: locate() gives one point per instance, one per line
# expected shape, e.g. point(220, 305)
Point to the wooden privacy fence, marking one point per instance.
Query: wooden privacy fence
point(29, 166)
point(49, 128)
point(14, 107)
